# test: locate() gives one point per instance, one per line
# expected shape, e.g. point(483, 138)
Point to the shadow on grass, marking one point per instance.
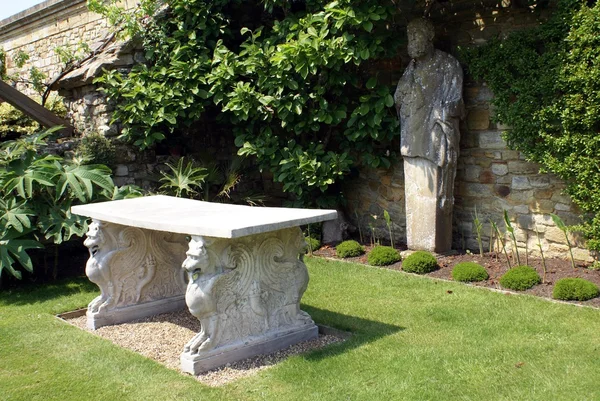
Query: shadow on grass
point(363, 331)
point(38, 293)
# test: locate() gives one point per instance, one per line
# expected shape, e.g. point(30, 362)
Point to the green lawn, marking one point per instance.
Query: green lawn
point(414, 339)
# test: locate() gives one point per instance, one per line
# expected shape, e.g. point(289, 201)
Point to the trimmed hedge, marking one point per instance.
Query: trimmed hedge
point(575, 289)
point(420, 262)
point(469, 272)
point(349, 249)
point(383, 256)
point(520, 278)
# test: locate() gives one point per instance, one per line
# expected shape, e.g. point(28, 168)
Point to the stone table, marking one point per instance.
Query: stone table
point(238, 268)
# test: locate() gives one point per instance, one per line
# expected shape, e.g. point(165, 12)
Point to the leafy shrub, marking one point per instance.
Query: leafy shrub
point(383, 256)
point(545, 84)
point(312, 244)
point(469, 271)
point(96, 149)
point(575, 289)
point(183, 180)
point(349, 249)
point(295, 88)
point(420, 262)
point(520, 278)
point(37, 191)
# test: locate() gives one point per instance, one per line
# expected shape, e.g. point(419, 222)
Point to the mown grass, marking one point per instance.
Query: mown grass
point(414, 339)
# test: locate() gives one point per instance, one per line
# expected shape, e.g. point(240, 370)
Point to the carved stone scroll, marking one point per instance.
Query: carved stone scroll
point(246, 293)
point(138, 272)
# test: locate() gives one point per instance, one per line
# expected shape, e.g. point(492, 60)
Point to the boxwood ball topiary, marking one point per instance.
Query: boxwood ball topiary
point(520, 278)
point(469, 271)
point(383, 256)
point(312, 244)
point(420, 262)
point(575, 289)
point(349, 249)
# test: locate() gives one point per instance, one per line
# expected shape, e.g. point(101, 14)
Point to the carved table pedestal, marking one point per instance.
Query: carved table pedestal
point(241, 272)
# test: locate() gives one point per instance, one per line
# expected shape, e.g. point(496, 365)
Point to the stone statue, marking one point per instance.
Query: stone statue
point(429, 103)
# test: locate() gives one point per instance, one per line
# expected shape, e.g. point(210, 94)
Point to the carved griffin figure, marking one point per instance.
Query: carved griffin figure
point(244, 289)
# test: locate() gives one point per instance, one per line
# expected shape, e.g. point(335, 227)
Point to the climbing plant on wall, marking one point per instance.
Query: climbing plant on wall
point(546, 83)
point(292, 79)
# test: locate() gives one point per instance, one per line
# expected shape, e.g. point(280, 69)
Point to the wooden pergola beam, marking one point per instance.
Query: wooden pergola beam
point(33, 109)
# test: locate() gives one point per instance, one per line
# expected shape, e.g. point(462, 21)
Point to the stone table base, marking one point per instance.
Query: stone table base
point(266, 344)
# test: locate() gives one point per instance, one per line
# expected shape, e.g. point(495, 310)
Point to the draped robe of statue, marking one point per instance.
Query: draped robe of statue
point(429, 103)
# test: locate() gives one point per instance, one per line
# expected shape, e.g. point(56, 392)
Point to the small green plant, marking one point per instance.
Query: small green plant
point(388, 222)
point(520, 278)
point(575, 289)
point(511, 230)
point(469, 271)
point(420, 262)
point(37, 191)
point(491, 238)
point(312, 244)
point(563, 227)
point(349, 249)
point(383, 256)
point(183, 180)
point(501, 242)
point(360, 235)
point(478, 227)
point(96, 149)
point(374, 240)
point(539, 244)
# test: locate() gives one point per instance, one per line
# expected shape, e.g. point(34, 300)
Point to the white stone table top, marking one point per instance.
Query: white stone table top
point(187, 216)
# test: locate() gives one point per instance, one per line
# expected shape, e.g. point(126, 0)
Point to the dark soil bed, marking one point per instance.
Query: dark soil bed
point(496, 266)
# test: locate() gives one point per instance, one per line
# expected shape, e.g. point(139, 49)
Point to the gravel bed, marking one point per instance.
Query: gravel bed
point(162, 337)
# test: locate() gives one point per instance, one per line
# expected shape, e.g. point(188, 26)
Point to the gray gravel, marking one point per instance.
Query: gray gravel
point(162, 338)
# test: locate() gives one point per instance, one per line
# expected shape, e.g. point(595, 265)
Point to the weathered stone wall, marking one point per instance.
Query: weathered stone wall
point(39, 30)
point(490, 177)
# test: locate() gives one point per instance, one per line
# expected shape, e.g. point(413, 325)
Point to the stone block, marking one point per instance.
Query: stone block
point(521, 167)
point(560, 197)
point(500, 168)
point(520, 209)
point(539, 181)
point(491, 140)
point(562, 207)
point(542, 219)
point(494, 155)
point(478, 119)
point(554, 234)
point(520, 183)
point(510, 154)
point(476, 190)
point(121, 171)
point(471, 173)
point(486, 177)
point(543, 193)
point(542, 206)
point(504, 180)
point(582, 254)
point(521, 196)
